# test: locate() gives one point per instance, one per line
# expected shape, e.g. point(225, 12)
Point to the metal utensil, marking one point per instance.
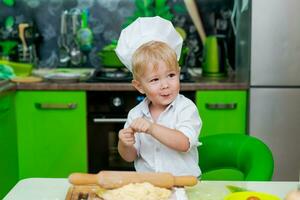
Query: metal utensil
point(64, 49)
point(76, 55)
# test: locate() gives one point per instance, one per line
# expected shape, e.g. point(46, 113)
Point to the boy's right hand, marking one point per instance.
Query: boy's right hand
point(126, 136)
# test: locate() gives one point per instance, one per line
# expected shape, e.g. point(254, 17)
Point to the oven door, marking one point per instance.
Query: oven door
point(103, 143)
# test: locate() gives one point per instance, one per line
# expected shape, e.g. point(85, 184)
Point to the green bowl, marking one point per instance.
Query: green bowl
point(184, 52)
point(109, 58)
point(20, 69)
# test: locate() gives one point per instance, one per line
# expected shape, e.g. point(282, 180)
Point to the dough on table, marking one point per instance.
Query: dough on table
point(136, 191)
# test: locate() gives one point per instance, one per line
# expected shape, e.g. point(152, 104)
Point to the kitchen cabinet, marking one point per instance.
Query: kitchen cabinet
point(8, 144)
point(222, 111)
point(52, 138)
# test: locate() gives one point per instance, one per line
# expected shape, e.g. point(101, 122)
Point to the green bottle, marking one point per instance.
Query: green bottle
point(84, 34)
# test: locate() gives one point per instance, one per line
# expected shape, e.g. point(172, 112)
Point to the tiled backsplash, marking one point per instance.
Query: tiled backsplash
point(105, 19)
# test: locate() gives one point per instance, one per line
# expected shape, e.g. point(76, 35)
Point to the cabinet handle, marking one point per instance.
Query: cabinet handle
point(109, 120)
point(56, 106)
point(221, 106)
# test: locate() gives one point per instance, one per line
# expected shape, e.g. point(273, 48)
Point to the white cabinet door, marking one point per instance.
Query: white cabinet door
point(275, 118)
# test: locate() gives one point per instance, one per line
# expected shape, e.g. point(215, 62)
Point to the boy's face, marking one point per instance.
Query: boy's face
point(161, 84)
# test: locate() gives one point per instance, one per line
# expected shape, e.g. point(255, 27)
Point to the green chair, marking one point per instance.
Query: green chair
point(235, 157)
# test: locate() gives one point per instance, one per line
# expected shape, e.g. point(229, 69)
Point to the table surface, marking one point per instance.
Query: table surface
point(56, 188)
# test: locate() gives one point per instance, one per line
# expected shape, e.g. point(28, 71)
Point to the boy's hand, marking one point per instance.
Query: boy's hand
point(141, 125)
point(126, 136)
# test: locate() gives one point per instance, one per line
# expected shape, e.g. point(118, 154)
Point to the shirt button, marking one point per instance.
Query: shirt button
point(157, 150)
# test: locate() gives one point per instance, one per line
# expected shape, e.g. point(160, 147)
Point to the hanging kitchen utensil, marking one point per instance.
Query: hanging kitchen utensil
point(84, 34)
point(116, 179)
point(22, 28)
point(76, 55)
point(63, 49)
point(194, 13)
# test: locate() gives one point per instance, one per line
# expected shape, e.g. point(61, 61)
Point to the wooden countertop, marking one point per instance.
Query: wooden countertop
point(201, 83)
point(126, 86)
point(6, 85)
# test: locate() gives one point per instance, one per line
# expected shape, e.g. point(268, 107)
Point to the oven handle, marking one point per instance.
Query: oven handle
point(109, 120)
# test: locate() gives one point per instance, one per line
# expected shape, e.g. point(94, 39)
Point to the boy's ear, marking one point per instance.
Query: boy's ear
point(137, 86)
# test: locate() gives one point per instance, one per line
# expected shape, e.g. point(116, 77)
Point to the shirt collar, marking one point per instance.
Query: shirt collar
point(146, 102)
point(145, 107)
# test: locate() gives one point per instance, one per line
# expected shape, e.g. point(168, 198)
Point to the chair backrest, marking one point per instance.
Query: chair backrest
point(243, 153)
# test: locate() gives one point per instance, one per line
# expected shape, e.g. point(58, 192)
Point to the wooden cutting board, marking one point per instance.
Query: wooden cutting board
point(81, 192)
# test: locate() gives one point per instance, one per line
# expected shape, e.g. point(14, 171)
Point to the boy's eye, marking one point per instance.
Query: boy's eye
point(172, 75)
point(154, 80)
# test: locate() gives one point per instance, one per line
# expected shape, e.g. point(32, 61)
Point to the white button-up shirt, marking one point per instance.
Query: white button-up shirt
point(153, 156)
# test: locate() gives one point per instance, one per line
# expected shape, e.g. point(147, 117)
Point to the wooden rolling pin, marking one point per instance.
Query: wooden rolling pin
point(116, 179)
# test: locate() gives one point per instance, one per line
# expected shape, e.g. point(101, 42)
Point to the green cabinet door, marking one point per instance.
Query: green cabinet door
point(52, 137)
point(8, 144)
point(222, 111)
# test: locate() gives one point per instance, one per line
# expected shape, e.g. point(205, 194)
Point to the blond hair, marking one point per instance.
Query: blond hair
point(151, 53)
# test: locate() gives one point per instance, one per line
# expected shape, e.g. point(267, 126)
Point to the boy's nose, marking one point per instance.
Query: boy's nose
point(164, 84)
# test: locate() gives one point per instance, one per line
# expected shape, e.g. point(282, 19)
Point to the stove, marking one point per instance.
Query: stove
point(111, 75)
point(122, 75)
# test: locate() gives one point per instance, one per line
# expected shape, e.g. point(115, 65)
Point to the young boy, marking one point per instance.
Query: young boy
point(161, 132)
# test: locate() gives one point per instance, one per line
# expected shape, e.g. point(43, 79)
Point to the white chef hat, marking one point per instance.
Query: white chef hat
point(143, 30)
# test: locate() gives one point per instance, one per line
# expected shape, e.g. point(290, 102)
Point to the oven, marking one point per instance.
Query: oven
point(107, 113)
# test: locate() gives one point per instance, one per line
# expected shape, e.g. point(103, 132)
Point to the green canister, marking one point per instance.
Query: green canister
point(214, 57)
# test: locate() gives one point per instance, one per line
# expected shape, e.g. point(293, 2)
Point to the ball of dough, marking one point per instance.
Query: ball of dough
point(293, 195)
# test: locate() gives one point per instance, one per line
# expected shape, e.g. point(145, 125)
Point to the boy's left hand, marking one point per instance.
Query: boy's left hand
point(141, 125)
